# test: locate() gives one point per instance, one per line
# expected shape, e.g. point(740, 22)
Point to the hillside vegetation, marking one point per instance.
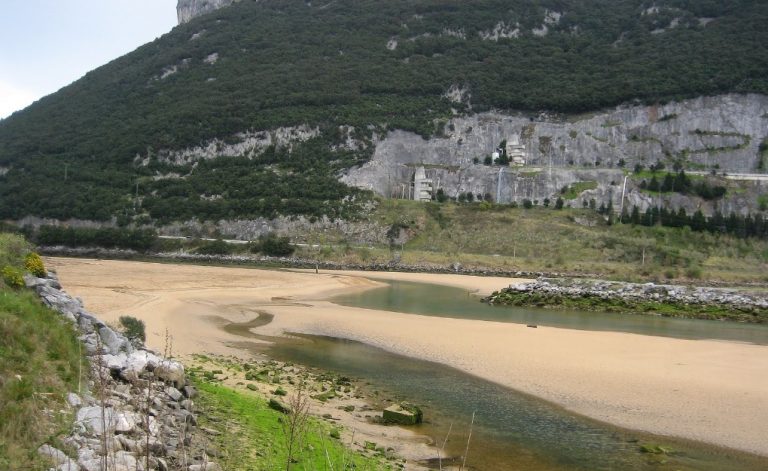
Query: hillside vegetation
point(40, 361)
point(576, 241)
point(91, 150)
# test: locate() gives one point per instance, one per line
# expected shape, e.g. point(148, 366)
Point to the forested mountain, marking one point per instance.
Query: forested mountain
point(348, 69)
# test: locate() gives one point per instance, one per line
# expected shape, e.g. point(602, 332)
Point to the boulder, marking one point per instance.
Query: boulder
point(137, 363)
point(115, 362)
point(172, 372)
point(129, 444)
point(53, 280)
point(124, 461)
point(59, 459)
point(74, 400)
point(189, 392)
point(92, 464)
point(209, 466)
point(33, 282)
point(402, 414)
point(173, 393)
point(279, 406)
point(116, 422)
point(114, 342)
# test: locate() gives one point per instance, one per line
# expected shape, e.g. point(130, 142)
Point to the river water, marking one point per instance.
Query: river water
point(513, 430)
point(445, 301)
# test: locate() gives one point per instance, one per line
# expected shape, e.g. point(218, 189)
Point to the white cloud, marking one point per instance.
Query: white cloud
point(14, 98)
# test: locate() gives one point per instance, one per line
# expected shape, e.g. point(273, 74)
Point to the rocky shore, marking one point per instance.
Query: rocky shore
point(136, 411)
point(645, 298)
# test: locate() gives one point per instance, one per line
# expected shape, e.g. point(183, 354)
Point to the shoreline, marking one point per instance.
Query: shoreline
point(708, 391)
point(309, 265)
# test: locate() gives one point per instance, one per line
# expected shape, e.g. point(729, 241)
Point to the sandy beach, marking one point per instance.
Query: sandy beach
point(711, 391)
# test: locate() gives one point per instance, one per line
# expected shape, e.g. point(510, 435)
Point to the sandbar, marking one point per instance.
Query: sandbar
point(705, 390)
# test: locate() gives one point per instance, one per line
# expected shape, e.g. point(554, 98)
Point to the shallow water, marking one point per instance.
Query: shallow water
point(445, 301)
point(512, 430)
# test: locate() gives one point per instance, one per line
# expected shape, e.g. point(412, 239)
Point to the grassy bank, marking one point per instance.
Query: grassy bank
point(40, 361)
point(618, 305)
point(239, 401)
point(540, 239)
point(254, 438)
point(576, 241)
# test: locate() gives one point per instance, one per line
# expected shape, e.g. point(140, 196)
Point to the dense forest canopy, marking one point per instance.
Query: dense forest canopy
point(373, 65)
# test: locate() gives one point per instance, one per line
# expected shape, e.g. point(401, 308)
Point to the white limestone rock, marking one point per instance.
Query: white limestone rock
point(172, 372)
point(189, 9)
point(60, 460)
point(115, 421)
point(74, 400)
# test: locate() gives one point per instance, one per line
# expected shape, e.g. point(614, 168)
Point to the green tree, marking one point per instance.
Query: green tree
point(214, 247)
point(276, 246)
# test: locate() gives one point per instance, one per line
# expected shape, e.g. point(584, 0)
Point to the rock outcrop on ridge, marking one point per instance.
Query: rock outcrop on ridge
point(189, 9)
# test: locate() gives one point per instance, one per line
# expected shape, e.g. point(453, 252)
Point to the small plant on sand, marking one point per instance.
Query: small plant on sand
point(134, 329)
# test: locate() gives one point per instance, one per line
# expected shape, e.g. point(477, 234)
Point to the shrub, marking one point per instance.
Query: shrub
point(13, 277)
point(694, 272)
point(34, 264)
point(275, 246)
point(214, 247)
point(134, 329)
point(107, 237)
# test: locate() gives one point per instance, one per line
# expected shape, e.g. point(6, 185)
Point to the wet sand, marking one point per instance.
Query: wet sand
point(711, 391)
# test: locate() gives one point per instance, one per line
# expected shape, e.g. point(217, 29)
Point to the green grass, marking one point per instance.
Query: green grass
point(253, 436)
point(578, 188)
point(12, 250)
point(660, 174)
point(762, 202)
point(40, 360)
point(576, 241)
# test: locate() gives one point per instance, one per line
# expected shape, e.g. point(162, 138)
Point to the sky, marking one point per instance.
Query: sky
point(48, 44)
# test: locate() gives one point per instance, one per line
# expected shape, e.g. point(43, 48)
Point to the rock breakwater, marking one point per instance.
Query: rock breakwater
point(645, 298)
point(137, 412)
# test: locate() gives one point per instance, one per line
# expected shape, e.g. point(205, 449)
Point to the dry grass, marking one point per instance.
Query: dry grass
point(544, 239)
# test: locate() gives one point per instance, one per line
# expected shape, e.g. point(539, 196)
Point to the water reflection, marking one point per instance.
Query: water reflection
point(444, 301)
point(512, 430)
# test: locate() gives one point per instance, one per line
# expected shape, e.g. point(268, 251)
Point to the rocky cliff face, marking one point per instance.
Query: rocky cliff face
point(720, 134)
point(188, 9)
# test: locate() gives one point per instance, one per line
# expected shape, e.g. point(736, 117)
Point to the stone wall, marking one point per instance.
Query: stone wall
point(136, 408)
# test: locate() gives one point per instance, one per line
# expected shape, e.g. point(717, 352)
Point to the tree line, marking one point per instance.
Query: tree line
point(737, 225)
point(683, 184)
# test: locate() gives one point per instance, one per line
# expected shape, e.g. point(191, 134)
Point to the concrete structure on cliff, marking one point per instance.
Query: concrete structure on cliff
point(422, 186)
point(516, 152)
